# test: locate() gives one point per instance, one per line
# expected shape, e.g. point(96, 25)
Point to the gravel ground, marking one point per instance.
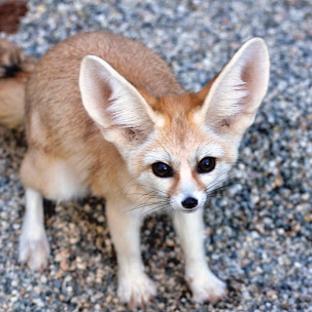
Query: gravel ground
point(259, 229)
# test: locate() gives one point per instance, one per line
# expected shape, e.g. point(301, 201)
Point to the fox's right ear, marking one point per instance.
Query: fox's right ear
point(234, 95)
point(114, 104)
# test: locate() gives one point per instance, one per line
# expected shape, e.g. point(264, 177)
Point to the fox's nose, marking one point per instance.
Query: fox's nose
point(190, 203)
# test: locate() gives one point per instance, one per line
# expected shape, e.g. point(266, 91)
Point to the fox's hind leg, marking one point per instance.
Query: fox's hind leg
point(42, 175)
point(33, 246)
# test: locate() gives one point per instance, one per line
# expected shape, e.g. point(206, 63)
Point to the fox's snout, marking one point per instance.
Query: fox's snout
point(188, 201)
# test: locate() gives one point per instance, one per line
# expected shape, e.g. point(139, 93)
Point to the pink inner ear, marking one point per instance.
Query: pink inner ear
point(95, 90)
point(256, 70)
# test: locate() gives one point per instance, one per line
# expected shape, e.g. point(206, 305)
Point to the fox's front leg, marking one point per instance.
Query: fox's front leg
point(134, 286)
point(204, 284)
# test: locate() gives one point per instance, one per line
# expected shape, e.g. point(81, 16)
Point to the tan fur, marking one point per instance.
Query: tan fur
point(101, 111)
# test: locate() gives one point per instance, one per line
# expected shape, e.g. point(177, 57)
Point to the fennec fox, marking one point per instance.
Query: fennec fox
point(105, 116)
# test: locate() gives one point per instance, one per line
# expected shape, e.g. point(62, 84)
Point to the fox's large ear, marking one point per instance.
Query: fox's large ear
point(237, 91)
point(114, 104)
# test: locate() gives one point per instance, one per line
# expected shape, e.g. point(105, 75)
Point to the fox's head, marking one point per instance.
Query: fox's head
point(178, 147)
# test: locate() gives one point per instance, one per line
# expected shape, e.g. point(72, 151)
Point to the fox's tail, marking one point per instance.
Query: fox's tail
point(15, 68)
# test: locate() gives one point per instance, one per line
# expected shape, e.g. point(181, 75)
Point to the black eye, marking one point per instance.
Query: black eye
point(206, 165)
point(162, 170)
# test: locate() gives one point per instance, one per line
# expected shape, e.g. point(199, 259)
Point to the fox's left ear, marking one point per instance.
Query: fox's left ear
point(114, 104)
point(236, 92)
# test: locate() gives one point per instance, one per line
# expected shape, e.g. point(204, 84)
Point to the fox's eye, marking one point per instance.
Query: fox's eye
point(162, 170)
point(206, 165)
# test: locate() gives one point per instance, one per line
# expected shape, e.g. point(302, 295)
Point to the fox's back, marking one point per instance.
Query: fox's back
point(55, 118)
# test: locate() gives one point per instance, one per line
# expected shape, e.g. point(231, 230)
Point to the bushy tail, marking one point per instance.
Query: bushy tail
point(15, 68)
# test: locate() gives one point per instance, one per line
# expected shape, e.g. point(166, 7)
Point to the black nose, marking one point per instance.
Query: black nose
point(190, 203)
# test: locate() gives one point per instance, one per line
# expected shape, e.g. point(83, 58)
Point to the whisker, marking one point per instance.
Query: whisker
point(156, 209)
point(216, 191)
point(149, 202)
point(215, 187)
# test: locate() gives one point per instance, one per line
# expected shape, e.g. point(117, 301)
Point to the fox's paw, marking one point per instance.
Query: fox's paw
point(34, 251)
point(136, 290)
point(207, 287)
